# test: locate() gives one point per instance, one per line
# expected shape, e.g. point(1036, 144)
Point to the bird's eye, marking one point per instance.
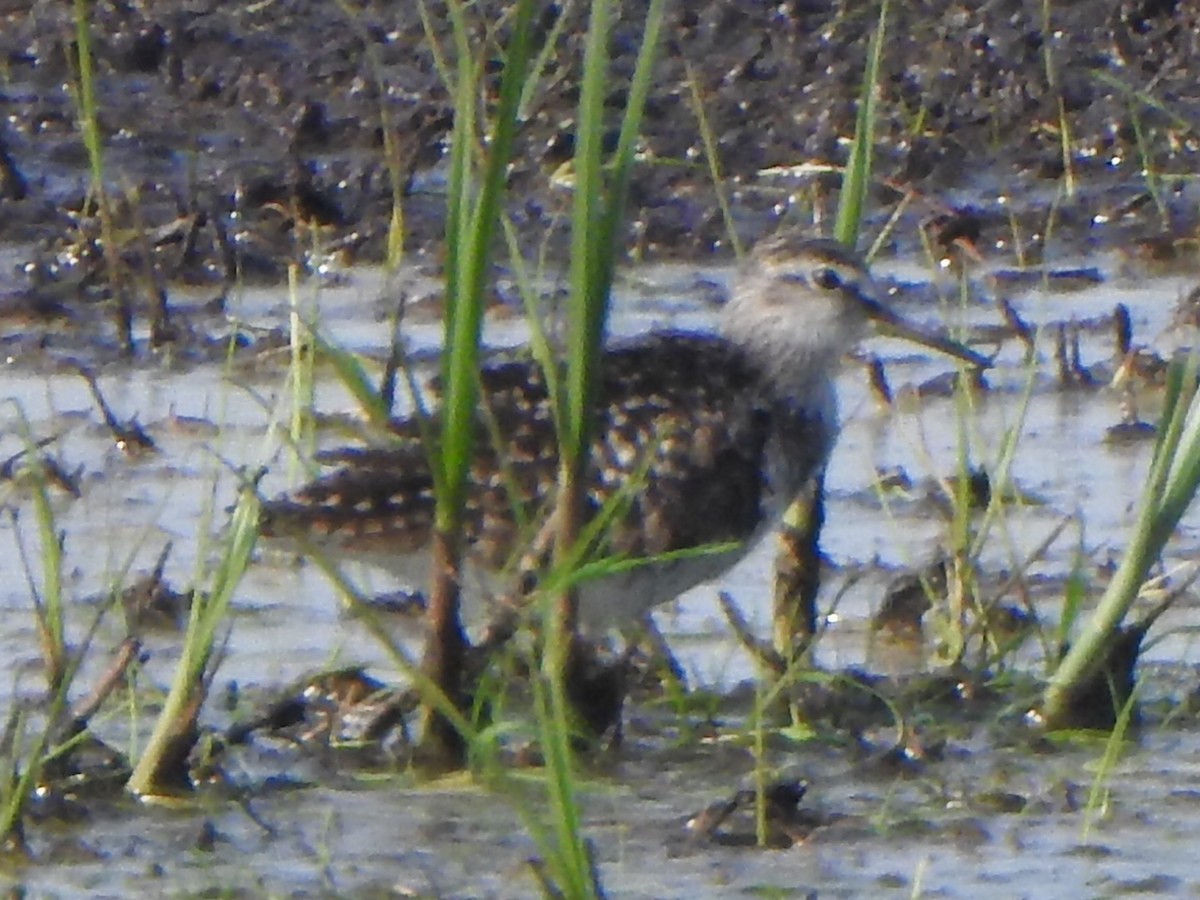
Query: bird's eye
point(827, 278)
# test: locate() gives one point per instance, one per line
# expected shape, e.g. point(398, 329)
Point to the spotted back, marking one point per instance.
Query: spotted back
point(679, 438)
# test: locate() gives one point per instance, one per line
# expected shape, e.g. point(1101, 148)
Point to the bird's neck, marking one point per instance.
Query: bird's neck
point(796, 375)
point(793, 376)
point(797, 360)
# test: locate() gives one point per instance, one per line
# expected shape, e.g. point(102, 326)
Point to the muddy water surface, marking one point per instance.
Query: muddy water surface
point(985, 821)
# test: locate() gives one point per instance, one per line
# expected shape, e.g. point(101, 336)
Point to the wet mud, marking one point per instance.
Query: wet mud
point(236, 133)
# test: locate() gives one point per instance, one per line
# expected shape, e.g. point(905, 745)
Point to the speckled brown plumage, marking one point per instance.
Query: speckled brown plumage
point(701, 437)
point(682, 427)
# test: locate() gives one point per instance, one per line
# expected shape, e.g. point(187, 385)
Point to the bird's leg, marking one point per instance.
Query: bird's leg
point(798, 571)
point(510, 608)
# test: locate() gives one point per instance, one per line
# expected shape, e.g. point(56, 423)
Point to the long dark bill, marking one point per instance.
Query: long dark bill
point(891, 325)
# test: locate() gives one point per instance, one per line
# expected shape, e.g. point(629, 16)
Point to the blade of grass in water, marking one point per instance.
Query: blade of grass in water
point(597, 218)
point(1171, 484)
point(596, 223)
point(88, 119)
point(208, 613)
point(858, 170)
point(353, 376)
point(49, 605)
point(471, 224)
point(473, 211)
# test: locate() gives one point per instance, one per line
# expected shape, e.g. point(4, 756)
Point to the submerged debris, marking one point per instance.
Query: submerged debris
point(731, 822)
point(341, 708)
point(908, 598)
point(151, 602)
point(129, 436)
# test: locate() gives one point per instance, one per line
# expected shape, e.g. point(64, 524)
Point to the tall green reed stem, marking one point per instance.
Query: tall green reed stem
point(88, 120)
point(598, 211)
point(1171, 485)
point(23, 756)
point(597, 217)
point(174, 729)
point(49, 603)
point(89, 126)
point(473, 211)
point(857, 179)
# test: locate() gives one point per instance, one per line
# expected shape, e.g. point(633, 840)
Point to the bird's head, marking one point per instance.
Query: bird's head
point(800, 304)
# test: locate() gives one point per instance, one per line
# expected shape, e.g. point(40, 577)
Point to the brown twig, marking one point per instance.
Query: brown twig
point(129, 436)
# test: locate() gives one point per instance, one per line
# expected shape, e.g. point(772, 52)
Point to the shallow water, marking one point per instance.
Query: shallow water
point(352, 835)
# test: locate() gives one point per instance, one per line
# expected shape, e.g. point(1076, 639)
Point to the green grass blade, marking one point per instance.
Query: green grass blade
point(858, 170)
point(596, 220)
point(354, 378)
point(469, 239)
point(625, 157)
point(1171, 484)
point(89, 123)
point(208, 613)
point(587, 305)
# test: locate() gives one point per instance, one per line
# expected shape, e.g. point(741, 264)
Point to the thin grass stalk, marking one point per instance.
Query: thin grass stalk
point(48, 601)
point(596, 223)
point(24, 773)
point(49, 605)
point(430, 693)
point(89, 126)
point(570, 857)
point(483, 748)
point(471, 226)
point(585, 338)
point(539, 342)
point(1098, 793)
point(713, 158)
point(300, 369)
point(458, 216)
point(762, 833)
point(12, 798)
point(625, 156)
point(588, 304)
point(19, 787)
point(1074, 595)
point(960, 575)
point(1002, 469)
point(397, 177)
point(353, 376)
point(993, 516)
point(88, 122)
point(1183, 471)
point(549, 45)
point(435, 47)
point(597, 217)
